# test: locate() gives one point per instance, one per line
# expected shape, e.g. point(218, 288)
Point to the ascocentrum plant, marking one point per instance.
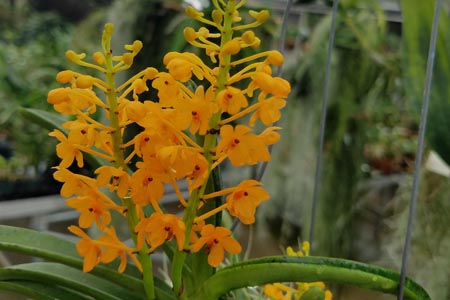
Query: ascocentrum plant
point(203, 116)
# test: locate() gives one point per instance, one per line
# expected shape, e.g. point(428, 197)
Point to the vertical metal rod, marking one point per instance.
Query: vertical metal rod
point(282, 44)
point(281, 48)
point(420, 145)
point(323, 119)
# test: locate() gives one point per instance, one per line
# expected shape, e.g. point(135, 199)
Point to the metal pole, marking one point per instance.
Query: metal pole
point(323, 120)
point(420, 146)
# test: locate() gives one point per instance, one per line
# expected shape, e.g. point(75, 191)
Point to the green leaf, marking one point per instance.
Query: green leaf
point(47, 120)
point(54, 248)
point(306, 269)
point(58, 274)
point(60, 250)
point(41, 291)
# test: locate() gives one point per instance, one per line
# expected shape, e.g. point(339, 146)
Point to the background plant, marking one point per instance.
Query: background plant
point(29, 45)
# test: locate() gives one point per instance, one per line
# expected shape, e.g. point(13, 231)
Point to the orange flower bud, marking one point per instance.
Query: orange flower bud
point(73, 57)
point(84, 82)
point(190, 34)
point(256, 43)
point(260, 16)
point(139, 86)
point(99, 58)
point(203, 32)
point(217, 16)
point(191, 12)
point(109, 28)
point(150, 73)
point(180, 69)
point(248, 37)
point(231, 47)
point(135, 47)
point(58, 95)
point(275, 58)
point(128, 58)
point(64, 76)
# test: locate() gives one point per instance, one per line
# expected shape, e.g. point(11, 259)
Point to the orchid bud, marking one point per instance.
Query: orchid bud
point(275, 58)
point(135, 47)
point(248, 37)
point(99, 58)
point(217, 16)
point(231, 47)
point(84, 82)
point(260, 16)
point(128, 58)
point(190, 34)
point(192, 13)
point(65, 76)
point(150, 73)
point(139, 86)
point(73, 57)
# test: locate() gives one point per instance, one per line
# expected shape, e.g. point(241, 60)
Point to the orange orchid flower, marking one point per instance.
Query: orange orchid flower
point(67, 151)
point(244, 200)
point(81, 133)
point(70, 101)
point(87, 249)
point(159, 228)
point(114, 248)
point(268, 111)
point(147, 183)
point(241, 146)
point(74, 184)
point(231, 100)
point(93, 207)
point(168, 88)
point(115, 178)
point(184, 161)
point(277, 291)
point(216, 240)
point(106, 249)
point(202, 109)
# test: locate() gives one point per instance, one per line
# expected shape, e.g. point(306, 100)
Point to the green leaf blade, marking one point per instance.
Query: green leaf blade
point(55, 273)
point(45, 119)
point(54, 248)
point(306, 269)
point(40, 291)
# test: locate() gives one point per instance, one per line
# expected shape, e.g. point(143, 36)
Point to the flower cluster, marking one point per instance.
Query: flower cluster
point(297, 290)
point(186, 134)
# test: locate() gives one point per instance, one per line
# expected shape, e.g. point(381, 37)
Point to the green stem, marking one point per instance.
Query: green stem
point(117, 142)
point(209, 144)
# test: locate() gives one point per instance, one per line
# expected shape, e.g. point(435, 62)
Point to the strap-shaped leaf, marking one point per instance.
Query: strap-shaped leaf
point(43, 118)
point(54, 248)
point(58, 274)
point(40, 291)
point(306, 269)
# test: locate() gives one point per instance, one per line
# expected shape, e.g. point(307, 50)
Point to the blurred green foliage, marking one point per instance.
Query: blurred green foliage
point(417, 22)
point(364, 79)
point(31, 47)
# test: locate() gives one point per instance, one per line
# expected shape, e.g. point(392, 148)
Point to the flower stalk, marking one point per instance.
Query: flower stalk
point(119, 162)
